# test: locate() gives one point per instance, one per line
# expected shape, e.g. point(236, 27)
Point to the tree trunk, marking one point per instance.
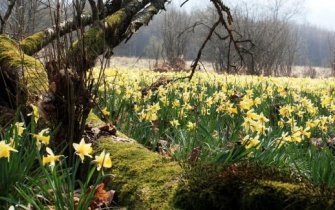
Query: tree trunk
point(16, 68)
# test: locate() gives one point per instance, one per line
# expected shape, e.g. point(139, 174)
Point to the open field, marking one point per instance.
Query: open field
point(142, 63)
point(276, 133)
point(215, 112)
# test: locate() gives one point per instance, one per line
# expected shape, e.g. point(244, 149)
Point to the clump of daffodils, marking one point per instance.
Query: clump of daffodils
point(85, 149)
point(82, 149)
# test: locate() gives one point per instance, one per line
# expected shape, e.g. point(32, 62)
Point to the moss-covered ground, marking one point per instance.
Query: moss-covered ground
point(142, 179)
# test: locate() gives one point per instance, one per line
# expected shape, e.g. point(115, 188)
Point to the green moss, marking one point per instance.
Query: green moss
point(114, 22)
point(93, 47)
point(31, 43)
point(93, 120)
point(97, 40)
point(13, 59)
point(244, 187)
point(142, 179)
point(265, 194)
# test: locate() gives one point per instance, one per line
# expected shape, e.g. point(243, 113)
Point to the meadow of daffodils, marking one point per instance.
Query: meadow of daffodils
point(282, 123)
point(285, 122)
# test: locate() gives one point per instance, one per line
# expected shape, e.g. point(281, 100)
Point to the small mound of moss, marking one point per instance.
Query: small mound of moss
point(93, 120)
point(142, 179)
point(247, 187)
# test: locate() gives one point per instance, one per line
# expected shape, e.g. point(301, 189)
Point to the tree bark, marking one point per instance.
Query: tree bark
point(39, 40)
point(112, 31)
point(16, 68)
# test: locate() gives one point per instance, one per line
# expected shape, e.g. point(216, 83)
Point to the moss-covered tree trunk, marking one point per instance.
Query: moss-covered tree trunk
point(16, 69)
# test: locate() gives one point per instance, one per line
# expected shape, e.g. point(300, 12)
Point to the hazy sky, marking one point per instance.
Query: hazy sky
point(317, 12)
point(321, 13)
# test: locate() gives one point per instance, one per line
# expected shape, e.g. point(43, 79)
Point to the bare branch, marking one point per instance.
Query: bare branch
point(95, 10)
point(116, 28)
point(144, 16)
point(31, 45)
point(226, 20)
point(195, 62)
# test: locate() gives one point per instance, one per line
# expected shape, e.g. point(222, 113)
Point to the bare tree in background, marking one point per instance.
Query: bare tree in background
point(264, 34)
point(175, 39)
point(225, 56)
point(20, 18)
point(331, 59)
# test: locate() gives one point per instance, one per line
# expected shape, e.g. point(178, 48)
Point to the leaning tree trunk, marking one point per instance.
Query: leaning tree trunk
point(16, 68)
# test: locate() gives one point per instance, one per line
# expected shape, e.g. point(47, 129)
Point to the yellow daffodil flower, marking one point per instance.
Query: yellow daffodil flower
point(250, 142)
point(262, 119)
point(174, 123)
point(257, 101)
point(285, 111)
point(83, 149)
point(246, 103)
point(155, 107)
point(50, 158)
point(190, 126)
point(253, 142)
point(43, 139)
point(231, 110)
point(182, 113)
point(249, 124)
point(105, 112)
point(5, 150)
point(35, 113)
point(176, 103)
point(20, 128)
point(251, 114)
point(313, 123)
point(209, 101)
point(103, 160)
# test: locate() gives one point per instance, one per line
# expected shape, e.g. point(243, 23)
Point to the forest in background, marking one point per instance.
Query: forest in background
point(271, 40)
point(278, 42)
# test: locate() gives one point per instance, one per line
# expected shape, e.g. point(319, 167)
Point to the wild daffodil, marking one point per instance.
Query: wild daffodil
point(35, 113)
point(50, 158)
point(5, 150)
point(105, 112)
point(19, 128)
point(43, 139)
point(83, 149)
point(190, 126)
point(286, 111)
point(252, 142)
point(174, 123)
point(103, 160)
point(176, 103)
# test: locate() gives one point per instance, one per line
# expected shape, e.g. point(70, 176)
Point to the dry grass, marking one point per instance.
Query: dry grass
point(144, 63)
point(306, 71)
